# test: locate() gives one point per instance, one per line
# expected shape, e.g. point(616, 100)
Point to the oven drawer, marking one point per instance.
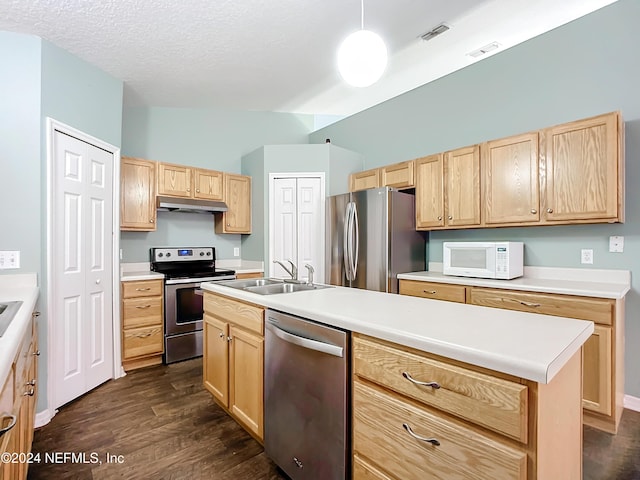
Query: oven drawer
point(142, 341)
point(138, 312)
point(142, 288)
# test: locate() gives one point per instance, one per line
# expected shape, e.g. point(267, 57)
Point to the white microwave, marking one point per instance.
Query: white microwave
point(500, 260)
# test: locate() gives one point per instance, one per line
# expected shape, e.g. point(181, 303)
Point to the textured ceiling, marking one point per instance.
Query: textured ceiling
point(275, 55)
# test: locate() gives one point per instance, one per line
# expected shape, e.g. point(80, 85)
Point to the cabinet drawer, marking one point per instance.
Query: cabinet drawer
point(598, 310)
point(137, 312)
point(362, 470)
point(143, 288)
point(399, 175)
point(379, 433)
point(142, 341)
point(242, 314)
point(497, 404)
point(435, 291)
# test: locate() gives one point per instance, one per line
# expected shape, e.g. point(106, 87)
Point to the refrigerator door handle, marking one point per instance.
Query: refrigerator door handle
point(356, 242)
point(345, 255)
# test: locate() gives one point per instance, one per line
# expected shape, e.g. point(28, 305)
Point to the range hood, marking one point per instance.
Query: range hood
point(174, 204)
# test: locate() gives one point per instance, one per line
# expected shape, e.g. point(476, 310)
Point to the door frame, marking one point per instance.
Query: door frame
point(272, 177)
point(52, 126)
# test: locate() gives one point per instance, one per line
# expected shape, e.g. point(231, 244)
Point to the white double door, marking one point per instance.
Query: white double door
point(297, 224)
point(82, 268)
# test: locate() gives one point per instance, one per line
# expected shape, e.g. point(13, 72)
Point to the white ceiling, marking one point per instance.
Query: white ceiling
point(276, 55)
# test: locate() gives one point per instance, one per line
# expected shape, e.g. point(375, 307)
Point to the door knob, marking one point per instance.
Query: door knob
point(98, 282)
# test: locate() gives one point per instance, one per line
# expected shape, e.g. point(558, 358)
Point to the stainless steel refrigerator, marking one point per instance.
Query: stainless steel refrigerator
point(371, 237)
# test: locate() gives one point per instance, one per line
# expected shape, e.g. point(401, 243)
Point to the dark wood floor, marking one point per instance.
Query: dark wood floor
point(166, 426)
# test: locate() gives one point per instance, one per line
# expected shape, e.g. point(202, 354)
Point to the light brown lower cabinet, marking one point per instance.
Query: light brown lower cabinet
point(603, 371)
point(233, 359)
point(468, 422)
point(17, 407)
point(244, 276)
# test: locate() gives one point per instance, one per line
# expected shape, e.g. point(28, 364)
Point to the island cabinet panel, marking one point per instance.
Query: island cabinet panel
point(494, 403)
point(420, 416)
point(436, 291)
point(583, 166)
point(510, 187)
point(393, 432)
point(137, 194)
point(598, 360)
point(364, 180)
point(233, 359)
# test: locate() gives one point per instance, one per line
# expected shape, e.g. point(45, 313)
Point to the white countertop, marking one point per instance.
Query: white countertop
point(241, 266)
point(568, 281)
point(21, 287)
point(527, 345)
point(130, 272)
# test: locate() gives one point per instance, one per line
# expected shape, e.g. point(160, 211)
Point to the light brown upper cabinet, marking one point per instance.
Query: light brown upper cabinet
point(364, 180)
point(398, 175)
point(510, 187)
point(429, 192)
point(582, 171)
point(448, 189)
point(237, 196)
point(189, 182)
point(137, 194)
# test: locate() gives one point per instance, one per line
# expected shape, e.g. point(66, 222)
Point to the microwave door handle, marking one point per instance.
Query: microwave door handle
point(356, 240)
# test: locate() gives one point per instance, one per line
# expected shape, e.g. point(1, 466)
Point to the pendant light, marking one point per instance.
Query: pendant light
point(362, 57)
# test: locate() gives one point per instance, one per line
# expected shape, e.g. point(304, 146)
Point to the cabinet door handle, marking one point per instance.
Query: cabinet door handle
point(432, 441)
point(440, 217)
point(221, 335)
point(36, 353)
point(31, 383)
point(198, 190)
point(29, 393)
point(12, 423)
point(143, 306)
point(534, 211)
point(143, 289)
point(434, 385)
point(151, 220)
point(549, 210)
point(431, 292)
point(450, 217)
point(229, 339)
point(35, 314)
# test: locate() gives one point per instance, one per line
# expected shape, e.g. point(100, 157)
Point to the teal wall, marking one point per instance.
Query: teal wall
point(572, 72)
point(207, 138)
point(335, 162)
point(20, 166)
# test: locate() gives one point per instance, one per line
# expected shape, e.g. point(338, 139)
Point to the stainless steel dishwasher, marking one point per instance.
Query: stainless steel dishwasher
point(306, 398)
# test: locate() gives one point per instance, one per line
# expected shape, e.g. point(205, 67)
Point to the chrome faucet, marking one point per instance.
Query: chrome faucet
point(293, 272)
point(311, 270)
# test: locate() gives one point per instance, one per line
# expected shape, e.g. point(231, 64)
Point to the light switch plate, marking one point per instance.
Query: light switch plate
point(616, 244)
point(9, 259)
point(236, 251)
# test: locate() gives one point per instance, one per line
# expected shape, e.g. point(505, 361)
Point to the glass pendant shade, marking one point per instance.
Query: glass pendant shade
point(362, 58)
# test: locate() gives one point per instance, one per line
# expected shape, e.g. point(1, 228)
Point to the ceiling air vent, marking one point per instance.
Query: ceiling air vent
point(482, 50)
point(434, 32)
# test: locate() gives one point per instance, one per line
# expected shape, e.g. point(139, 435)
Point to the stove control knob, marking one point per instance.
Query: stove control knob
point(202, 254)
point(208, 254)
point(168, 254)
point(160, 254)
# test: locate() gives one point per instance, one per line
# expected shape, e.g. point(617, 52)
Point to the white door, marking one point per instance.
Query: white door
point(297, 224)
point(82, 267)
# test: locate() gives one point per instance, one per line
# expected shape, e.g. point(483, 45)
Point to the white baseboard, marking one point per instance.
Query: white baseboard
point(632, 403)
point(44, 417)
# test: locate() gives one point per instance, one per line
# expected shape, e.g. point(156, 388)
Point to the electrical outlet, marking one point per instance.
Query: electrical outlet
point(587, 256)
point(9, 259)
point(616, 244)
point(236, 251)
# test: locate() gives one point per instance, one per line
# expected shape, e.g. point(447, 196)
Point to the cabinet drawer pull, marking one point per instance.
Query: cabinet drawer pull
point(12, 423)
point(432, 292)
point(434, 385)
point(432, 441)
point(143, 289)
point(534, 211)
point(31, 392)
point(144, 335)
point(143, 306)
point(526, 304)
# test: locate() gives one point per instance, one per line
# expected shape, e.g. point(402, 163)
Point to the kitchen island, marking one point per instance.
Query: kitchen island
point(508, 398)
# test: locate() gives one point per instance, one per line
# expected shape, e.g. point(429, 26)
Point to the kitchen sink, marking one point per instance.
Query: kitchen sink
point(284, 288)
point(250, 282)
point(7, 312)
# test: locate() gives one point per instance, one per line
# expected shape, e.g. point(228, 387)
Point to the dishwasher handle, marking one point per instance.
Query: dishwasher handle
point(306, 342)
